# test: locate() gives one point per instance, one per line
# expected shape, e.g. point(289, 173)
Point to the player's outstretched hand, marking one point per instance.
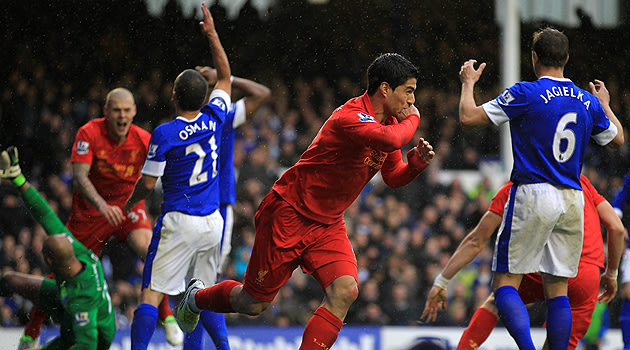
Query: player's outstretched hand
point(207, 25)
point(598, 88)
point(436, 300)
point(609, 287)
point(421, 156)
point(209, 73)
point(10, 163)
point(468, 73)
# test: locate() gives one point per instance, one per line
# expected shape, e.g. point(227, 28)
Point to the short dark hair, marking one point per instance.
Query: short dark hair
point(551, 46)
point(190, 90)
point(391, 68)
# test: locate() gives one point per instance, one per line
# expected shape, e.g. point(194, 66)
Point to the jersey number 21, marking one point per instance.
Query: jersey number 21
point(197, 176)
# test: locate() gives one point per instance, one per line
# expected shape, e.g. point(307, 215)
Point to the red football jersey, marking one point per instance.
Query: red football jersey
point(348, 150)
point(114, 169)
point(593, 244)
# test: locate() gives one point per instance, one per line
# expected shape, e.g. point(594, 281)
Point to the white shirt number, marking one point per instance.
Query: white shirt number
point(563, 133)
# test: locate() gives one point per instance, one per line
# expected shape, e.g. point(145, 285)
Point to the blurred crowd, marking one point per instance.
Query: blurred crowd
point(60, 59)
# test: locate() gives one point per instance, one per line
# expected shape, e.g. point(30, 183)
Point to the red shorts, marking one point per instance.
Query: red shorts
point(285, 239)
point(95, 231)
point(583, 291)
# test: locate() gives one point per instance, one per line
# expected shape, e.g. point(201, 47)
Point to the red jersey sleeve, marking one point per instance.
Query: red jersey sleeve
point(364, 129)
point(590, 193)
point(397, 173)
point(82, 150)
point(497, 205)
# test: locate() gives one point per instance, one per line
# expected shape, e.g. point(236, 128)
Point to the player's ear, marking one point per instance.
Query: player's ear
point(385, 88)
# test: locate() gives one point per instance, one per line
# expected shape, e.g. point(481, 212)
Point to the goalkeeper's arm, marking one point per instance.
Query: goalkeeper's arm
point(39, 208)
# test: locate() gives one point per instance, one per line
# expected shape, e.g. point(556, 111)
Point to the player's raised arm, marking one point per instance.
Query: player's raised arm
point(470, 114)
point(254, 94)
point(598, 88)
point(219, 57)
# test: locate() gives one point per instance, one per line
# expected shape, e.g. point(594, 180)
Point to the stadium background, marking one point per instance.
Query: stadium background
point(60, 58)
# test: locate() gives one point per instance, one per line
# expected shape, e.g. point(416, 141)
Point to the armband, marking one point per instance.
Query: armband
point(441, 281)
point(612, 274)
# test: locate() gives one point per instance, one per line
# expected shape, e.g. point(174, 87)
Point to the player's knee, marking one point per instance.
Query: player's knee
point(346, 291)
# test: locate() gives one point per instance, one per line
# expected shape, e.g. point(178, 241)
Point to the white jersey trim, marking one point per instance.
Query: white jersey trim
point(239, 113)
point(495, 113)
point(221, 94)
point(604, 137)
point(153, 168)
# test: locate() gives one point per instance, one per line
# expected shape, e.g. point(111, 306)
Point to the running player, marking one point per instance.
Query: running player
point(551, 121)
point(300, 221)
point(582, 289)
point(184, 153)
point(77, 299)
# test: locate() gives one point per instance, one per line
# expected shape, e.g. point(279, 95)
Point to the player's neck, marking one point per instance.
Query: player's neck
point(554, 72)
point(190, 115)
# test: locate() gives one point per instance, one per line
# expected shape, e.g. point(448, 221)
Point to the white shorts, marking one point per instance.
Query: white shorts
point(187, 246)
point(542, 231)
point(625, 267)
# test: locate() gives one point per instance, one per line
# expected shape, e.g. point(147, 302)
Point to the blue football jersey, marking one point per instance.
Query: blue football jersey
point(551, 120)
point(227, 179)
point(185, 154)
point(622, 198)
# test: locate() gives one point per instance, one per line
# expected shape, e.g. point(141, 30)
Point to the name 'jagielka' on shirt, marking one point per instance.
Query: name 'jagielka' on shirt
point(564, 91)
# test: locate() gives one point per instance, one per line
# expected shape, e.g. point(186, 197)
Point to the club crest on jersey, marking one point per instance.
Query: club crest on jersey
point(83, 147)
point(152, 150)
point(366, 118)
point(81, 318)
point(506, 97)
point(219, 103)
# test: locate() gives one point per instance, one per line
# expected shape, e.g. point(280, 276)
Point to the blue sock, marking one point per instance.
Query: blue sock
point(144, 320)
point(216, 327)
point(514, 316)
point(624, 322)
point(194, 339)
point(559, 320)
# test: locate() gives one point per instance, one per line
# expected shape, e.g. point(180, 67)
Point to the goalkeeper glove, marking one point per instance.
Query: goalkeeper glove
point(10, 166)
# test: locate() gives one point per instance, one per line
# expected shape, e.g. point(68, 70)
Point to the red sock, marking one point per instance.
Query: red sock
point(34, 325)
point(479, 329)
point(164, 309)
point(321, 330)
point(217, 297)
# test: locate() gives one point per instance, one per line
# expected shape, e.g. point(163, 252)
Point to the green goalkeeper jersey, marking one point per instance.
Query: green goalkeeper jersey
point(86, 315)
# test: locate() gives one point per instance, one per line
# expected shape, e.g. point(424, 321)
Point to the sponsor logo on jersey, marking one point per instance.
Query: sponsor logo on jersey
point(506, 97)
point(219, 103)
point(83, 147)
point(366, 118)
point(81, 318)
point(152, 149)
